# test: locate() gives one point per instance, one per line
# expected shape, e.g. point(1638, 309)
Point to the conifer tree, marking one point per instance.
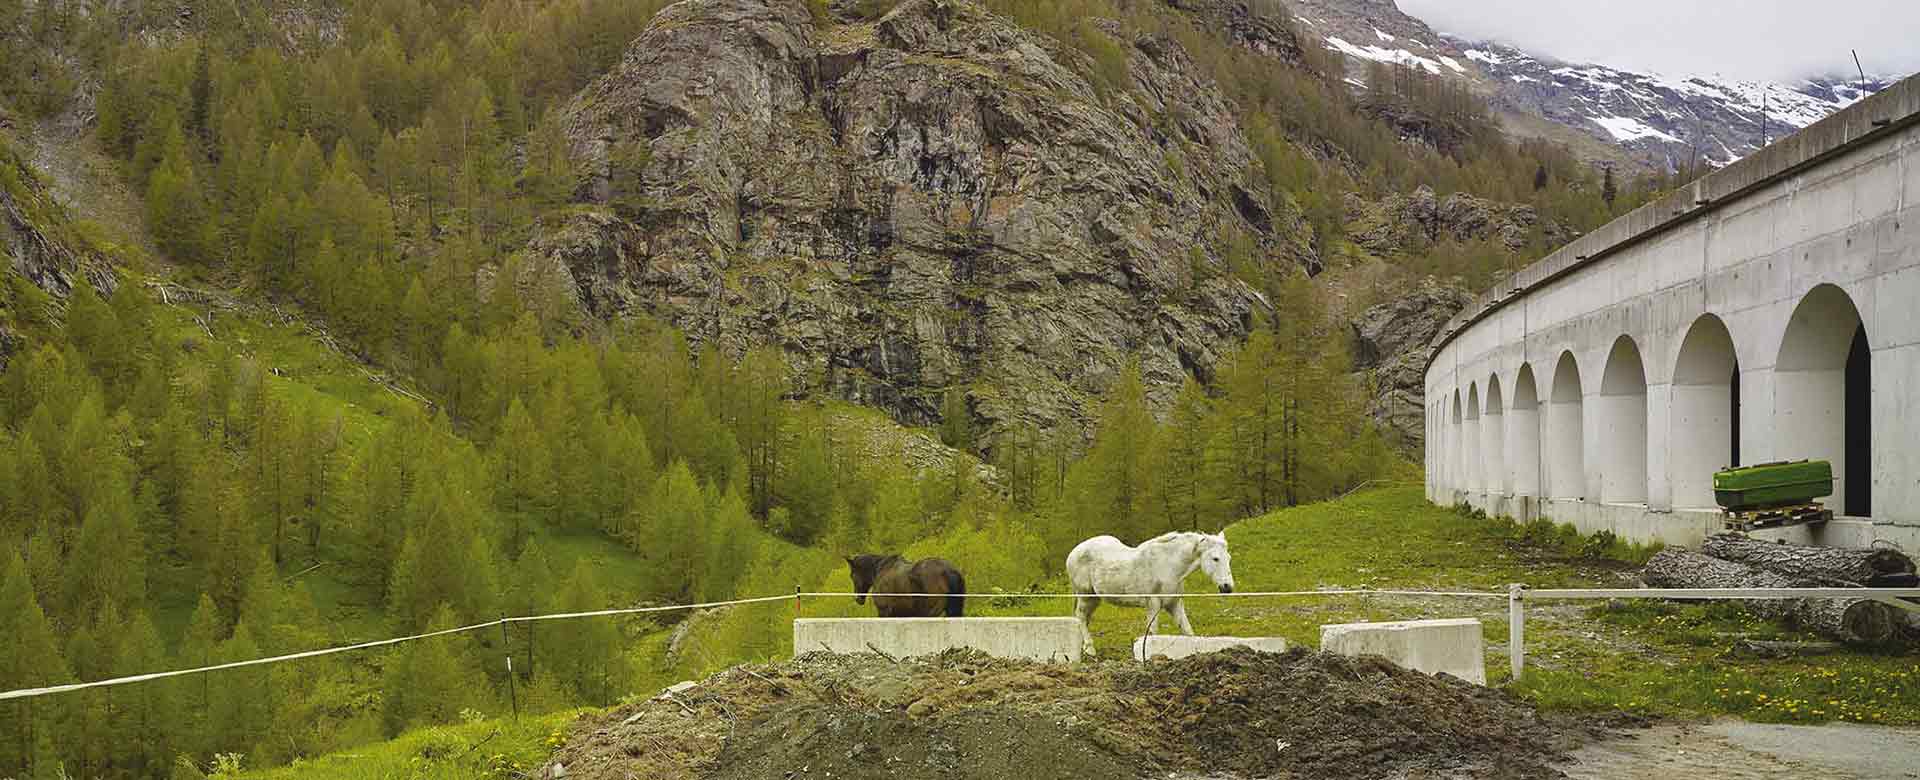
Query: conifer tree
point(239, 709)
point(956, 422)
point(30, 656)
point(730, 542)
point(108, 563)
point(620, 465)
point(1250, 422)
point(762, 381)
point(805, 486)
point(586, 657)
point(446, 559)
point(431, 680)
point(668, 527)
point(1114, 483)
point(205, 630)
point(523, 469)
point(147, 711)
point(1186, 489)
point(176, 213)
point(90, 649)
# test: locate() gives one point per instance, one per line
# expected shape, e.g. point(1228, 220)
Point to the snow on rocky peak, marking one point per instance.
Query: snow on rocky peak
point(1664, 121)
point(1669, 119)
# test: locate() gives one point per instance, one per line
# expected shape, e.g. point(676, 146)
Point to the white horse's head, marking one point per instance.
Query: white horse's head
point(1216, 561)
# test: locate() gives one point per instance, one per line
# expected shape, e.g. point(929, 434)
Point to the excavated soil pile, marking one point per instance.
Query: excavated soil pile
point(1238, 714)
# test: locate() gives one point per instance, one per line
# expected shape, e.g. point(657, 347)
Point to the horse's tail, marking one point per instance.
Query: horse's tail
point(956, 594)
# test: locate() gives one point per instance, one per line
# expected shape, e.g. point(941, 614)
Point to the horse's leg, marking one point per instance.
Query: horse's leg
point(1153, 614)
point(1179, 610)
point(1083, 609)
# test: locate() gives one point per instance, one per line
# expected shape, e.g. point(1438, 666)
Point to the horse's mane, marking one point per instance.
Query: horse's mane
point(875, 562)
point(1174, 536)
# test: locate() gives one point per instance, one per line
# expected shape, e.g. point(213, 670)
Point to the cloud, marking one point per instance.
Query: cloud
point(1758, 39)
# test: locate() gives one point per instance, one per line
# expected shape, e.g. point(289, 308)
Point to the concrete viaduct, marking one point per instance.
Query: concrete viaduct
point(1768, 311)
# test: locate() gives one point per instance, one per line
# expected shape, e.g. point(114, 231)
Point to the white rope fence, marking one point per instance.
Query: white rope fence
point(1201, 595)
point(53, 689)
point(1515, 596)
point(1518, 595)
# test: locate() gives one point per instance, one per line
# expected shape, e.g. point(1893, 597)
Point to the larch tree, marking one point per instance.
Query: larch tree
point(431, 680)
point(1113, 485)
point(524, 470)
point(30, 656)
point(1188, 499)
point(200, 647)
point(586, 656)
point(147, 712)
point(446, 559)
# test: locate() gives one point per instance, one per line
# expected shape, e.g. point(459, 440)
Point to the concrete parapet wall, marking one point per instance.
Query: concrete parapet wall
point(1180, 646)
point(1450, 646)
point(1032, 638)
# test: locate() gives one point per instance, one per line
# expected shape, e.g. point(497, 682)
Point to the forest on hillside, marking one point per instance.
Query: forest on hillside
point(170, 497)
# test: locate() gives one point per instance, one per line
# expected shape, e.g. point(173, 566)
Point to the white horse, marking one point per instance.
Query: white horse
point(1150, 574)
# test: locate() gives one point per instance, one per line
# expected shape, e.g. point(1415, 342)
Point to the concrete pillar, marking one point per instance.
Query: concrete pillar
point(1896, 411)
point(1659, 486)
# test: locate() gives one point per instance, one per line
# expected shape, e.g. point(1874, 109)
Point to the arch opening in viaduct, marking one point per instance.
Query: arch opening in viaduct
point(1523, 436)
point(1705, 430)
point(1622, 417)
point(1822, 407)
point(1493, 440)
point(1566, 432)
point(1470, 440)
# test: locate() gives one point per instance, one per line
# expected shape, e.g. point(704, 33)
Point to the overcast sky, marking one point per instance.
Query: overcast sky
point(1773, 39)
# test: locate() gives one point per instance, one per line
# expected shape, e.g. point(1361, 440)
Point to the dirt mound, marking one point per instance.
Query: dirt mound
point(1298, 715)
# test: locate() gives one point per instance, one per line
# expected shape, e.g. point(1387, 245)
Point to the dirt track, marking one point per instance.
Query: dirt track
point(1735, 750)
point(1299, 715)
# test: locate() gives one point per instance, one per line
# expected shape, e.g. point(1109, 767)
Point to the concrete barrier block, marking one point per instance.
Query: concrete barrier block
point(1032, 638)
point(1181, 646)
point(1433, 646)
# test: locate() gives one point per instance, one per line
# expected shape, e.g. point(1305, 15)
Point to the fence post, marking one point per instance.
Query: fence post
point(506, 645)
point(1517, 629)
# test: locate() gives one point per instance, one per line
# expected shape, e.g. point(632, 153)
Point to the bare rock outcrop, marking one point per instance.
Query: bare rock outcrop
point(37, 242)
point(1401, 222)
point(934, 199)
point(1389, 341)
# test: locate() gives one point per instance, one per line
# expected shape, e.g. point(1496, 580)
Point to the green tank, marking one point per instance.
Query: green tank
point(1784, 483)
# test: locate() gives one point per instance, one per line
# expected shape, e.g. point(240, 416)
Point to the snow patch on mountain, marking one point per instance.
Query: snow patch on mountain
point(1624, 129)
point(1378, 54)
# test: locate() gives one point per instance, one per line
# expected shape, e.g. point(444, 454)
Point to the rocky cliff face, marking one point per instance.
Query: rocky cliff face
point(1389, 342)
point(935, 199)
point(1400, 222)
point(36, 242)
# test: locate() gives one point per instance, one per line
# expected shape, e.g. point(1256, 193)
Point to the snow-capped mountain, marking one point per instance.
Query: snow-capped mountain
point(1667, 119)
point(1659, 120)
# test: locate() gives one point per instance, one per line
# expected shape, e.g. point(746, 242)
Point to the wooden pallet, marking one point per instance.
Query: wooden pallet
point(1778, 517)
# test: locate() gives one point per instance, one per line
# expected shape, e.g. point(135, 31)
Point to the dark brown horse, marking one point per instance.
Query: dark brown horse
point(883, 574)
